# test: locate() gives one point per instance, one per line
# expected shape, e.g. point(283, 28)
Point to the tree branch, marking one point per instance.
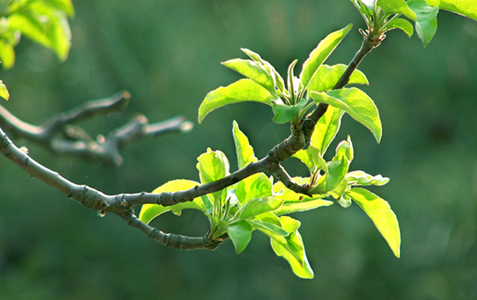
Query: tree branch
point(61, 137)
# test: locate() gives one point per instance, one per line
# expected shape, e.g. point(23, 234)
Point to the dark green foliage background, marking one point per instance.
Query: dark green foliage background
point(168, 54)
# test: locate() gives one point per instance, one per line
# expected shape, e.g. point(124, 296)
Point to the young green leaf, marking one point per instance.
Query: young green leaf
point(399, 23)
point(150, 211)
point(254, 71)
point(244, 151)
point(397, 7)
point(3, 91)
point(345, 148)
point(239, 91)
point(292, 207)
point(381, 214)
point(357, 104)
point(326, 129)
point(276, 77)
point(212, 166)
point(240, 233)
point(337, 170)
point(426, 23)
point(7, 54)
point(255, 186)
point(362, 178)
point(293, 250)
point(467, 8)
point(320, 54)
point(257, 206)
point(285, 113)
point(327, 76)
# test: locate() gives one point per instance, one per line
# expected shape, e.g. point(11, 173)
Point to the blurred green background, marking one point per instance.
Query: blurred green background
point(168, 54)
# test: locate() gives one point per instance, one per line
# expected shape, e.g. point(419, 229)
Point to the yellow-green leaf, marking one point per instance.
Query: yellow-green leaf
point(150, 211)
point(381, 214)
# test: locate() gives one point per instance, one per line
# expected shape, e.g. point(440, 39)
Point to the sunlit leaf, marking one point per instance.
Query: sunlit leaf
point(326, 129)
point(381, 214)
point(320, 54)
point(240, 233)
point(293, 250)
point(257, 206)
point(255, 186)
point(7, 55)
point(239, 91)
point(244, 151)
point(150, 211)
point(362, 178)
point(399, 23)
point(345, 148)
point(212, 166)
point(254, 71)
point(357, 104)
point(291, 207)
point(467, 8)
point(3, 91)
point(426, 23)
point(276, 77)
point(326, 77)
point(397, 7)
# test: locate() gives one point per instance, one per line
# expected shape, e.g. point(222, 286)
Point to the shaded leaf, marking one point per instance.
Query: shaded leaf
point(426, 23)
point(381, 214)
point(357, 104)
point(285, 113)
point(239, 91)
point(240, 233)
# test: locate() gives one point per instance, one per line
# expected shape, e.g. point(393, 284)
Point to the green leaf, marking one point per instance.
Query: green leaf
point(285, 113)
point(293, 250)
point(257, 206)
point(64, 5)
point(362, 178)
point(3, 91)
point(240, 233)
point(239, 91)
point(254, 71)
point(292, 207)
point(357, 104)
point(345, 148)
point(326, 129)
point(278, 80)
point(337, 170)
point(7, 55)
point(212, 166)
point(270, 229)
point(381, 214)
point(244, 151)
point(397, 7)
point(399, 23)
point(44, 24)
point(426, 23)
point(283, 193)
point(150, 211)
point(326, 77)
point(467, 8)
point(320, 54)
point(255, 186)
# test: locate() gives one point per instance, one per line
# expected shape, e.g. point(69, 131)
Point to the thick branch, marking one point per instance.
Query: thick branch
point(61, 137)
